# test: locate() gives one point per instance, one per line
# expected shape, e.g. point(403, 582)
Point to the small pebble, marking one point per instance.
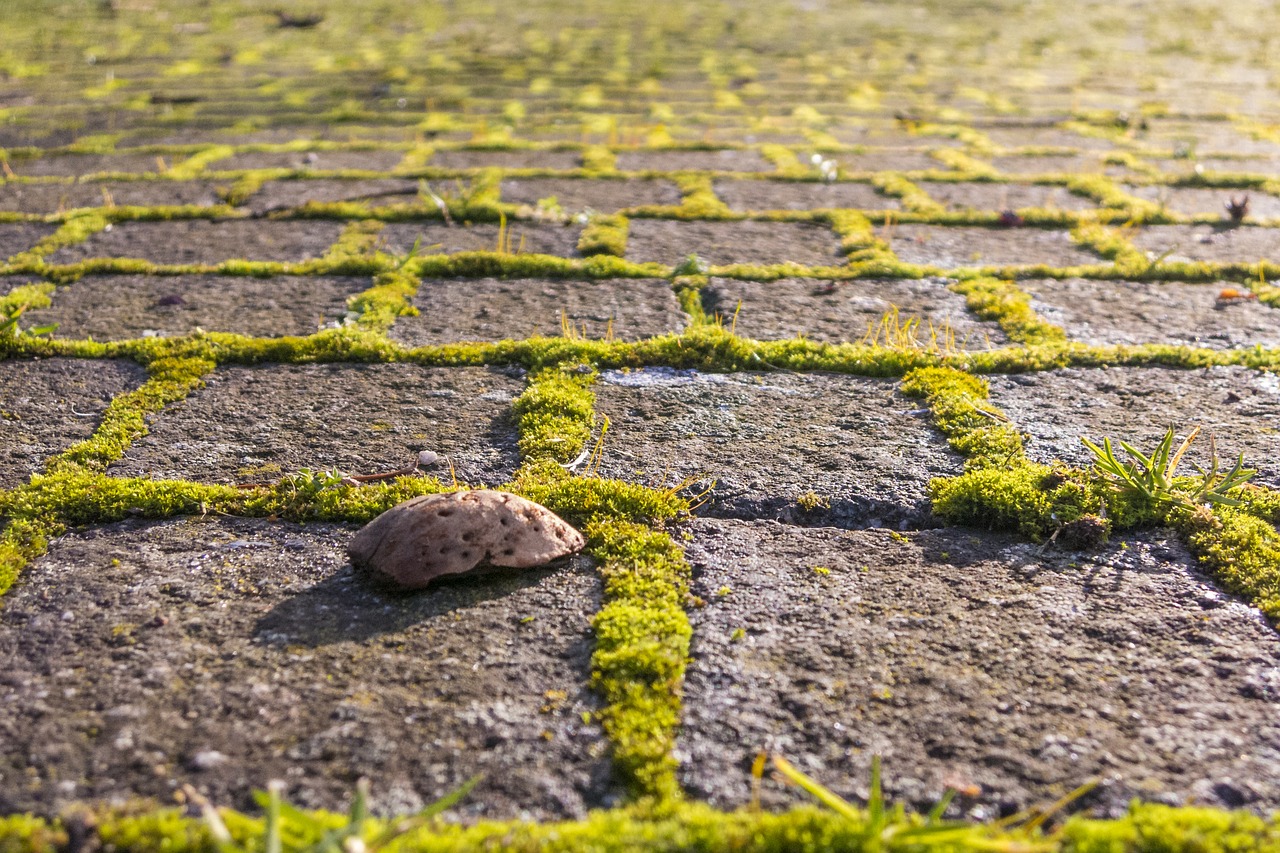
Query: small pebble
point(428, 458)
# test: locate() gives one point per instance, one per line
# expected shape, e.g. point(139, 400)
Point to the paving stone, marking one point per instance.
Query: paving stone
point(376, 161)
point(578, 195)
point(1132, 312)
point(719, 243)
point(253, 423)
point(202, 241)
point(223, 653)
point(282, 195)
point(797, 195)
point(847, 311)
point(989, 197)
point(766, 439)
point(84, 164)
point(950, 247)
point(887, 161)
point(17, 237)
point(728, 160)
point(1207, 242)
point(543, 238)
point(491, 309)
point(506, 160)
point(47, 405)
point(1044, 137)
point(1047, 164)
point(116, 307)
point(46, 198)
point(1137, 404)
point(1195, 202)
point(965, 659)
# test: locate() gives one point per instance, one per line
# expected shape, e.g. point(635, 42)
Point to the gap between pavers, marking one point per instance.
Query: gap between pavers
point(253, 424)
point(968, 246)
point(119, 307)
point(491, 309)
point(767, 439)
point(46, 405)
point(224, 653)
point(1240, 407)
point(973, 659)
point(1150, 312)
point(671, 241)
point(543, 238)
point(200, 241)
point(847, 311)
point(580, 195)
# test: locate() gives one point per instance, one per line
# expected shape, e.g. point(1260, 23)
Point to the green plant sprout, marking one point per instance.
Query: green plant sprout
point(9, 324)
point(310, 833)
point(1154, 477)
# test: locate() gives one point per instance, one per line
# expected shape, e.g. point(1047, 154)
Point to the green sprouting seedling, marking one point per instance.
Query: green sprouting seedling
point(691, 265)
point(307, 482)
point(1154, 477)
point(312, 833)
point(9, 324)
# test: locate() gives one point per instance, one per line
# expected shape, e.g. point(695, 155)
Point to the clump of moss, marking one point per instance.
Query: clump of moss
point(1238, 549)
point(555, 414)
point(1010, 307)
point(700, 199)
point(605, 234)
point(912, 197)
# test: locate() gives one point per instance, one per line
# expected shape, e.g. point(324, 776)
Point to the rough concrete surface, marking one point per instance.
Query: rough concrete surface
point(976, 661)
point(140, 656)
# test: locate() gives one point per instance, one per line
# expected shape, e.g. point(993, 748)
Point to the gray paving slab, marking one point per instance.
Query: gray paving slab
point(251, 424)
point(1131, 312)
point(282, 195)
point(975, 661)
point(795, 195)
point(17, 237)
point(578, 195)
point(999, 197)
point(887, 160)
point(376, 161)
point(46, 198)
point(491, 309)
point(84, 164)
point(543, 238)
point(47, 405)
point(118, 307)
point(766, 439)
point(141, 656)
point(1194, 201)
point(1240, 407)
point(727, 160)
point(849, 311)
point(506, 159)
point(672, 241)
point(1221, 243)
point(200, 241)
point(964, 246)
point(1046, 164)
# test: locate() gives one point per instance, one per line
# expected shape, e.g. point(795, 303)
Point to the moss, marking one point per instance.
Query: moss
point(1113, 245)
point(1240, 551)
point(784, 160)
point(642, 644)
point(195, 165)
point(29, 834)
point(966, 166)
point(555, 414)
point(699, 197)
point(605, 234)
point(1155, 827)
point(912, 197)
point(598, 158)
point(1010, 307)
point(390, 297)
point(76, 228)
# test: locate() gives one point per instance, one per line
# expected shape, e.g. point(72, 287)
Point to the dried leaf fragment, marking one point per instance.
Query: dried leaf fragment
point(431, 536)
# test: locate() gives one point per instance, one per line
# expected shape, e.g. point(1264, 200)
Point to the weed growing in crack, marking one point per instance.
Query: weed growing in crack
point(1155, 479)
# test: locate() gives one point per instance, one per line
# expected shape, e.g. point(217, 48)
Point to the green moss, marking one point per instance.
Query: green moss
point(76, 228)
point(29, 834)
point(974, 428)
point(554, 415)
point(1114, 245)
point(599, 158)
point(784, 160)
point(1240, 551)
point(605, 234)
point(642, 644)
point(1168, 829)
point(912, 197)
point(195, 165)
point(1010, 307)
point(700, 199)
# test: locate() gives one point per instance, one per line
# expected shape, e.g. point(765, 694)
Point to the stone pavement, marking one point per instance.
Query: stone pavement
point(550, 183)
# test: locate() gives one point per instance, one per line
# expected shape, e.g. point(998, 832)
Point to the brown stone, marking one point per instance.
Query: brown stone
point(430, 536)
